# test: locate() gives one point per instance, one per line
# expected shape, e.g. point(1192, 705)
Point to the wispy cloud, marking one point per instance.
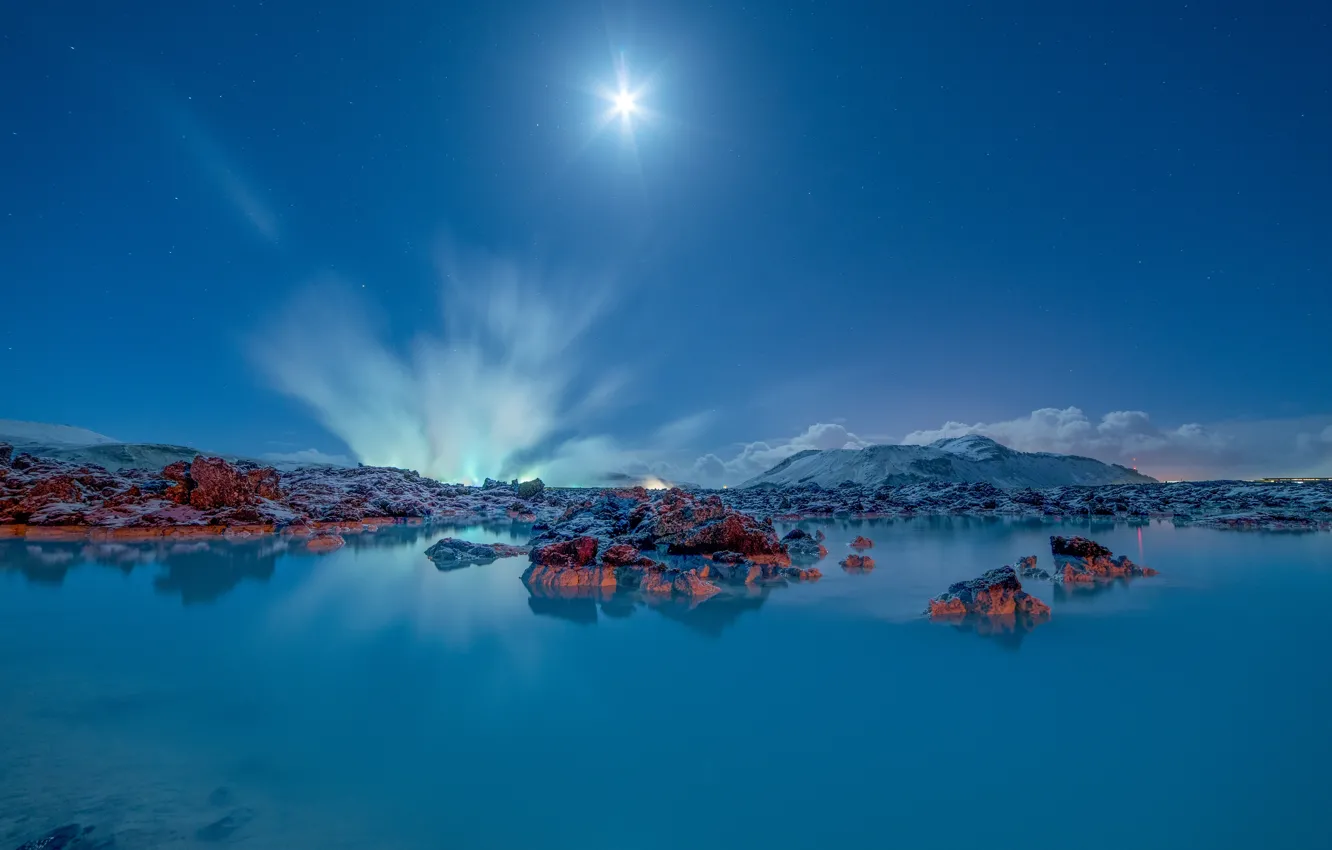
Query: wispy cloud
point(750, 459)
point(497, 390)
point(225, 173)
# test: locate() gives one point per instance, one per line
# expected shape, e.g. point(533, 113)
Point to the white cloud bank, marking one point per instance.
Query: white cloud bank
point(755, 458)
point(1239, 449)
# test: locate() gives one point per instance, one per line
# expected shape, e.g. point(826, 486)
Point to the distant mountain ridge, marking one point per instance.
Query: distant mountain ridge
point(79, 445)
point(970, 458)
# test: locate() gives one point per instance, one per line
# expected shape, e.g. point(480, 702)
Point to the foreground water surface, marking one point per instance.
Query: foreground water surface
point(221, 693)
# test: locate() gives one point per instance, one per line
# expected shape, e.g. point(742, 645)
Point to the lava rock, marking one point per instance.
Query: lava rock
point(802, 546)
point(325, 542)
point(529, 489)
point(997, 592)
point(451, 553)
point(862, 543)
point(1026, 568)
point(1079, 560)
point(857, 563)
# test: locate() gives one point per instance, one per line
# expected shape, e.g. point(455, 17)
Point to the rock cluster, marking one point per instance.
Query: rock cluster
point(619, 525)
point(803, 546)
point(1079, 560)
point(43, 493)
point(997, 593)
point(1026, 568)
point(1213, 504)
point(857, 563)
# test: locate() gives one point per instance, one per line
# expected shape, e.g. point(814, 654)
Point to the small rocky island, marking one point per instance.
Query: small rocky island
point(1079, 560)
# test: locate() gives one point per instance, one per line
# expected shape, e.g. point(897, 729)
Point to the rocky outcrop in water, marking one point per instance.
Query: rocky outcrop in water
point(450, 553)
point(1026, 568)
point(804, 547)
point(1078, 559)
point(862, 542)
point(996, 593)
point(673, 521)
point(857, 563)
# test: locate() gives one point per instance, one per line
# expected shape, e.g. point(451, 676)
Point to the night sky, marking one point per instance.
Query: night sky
point(268, 227)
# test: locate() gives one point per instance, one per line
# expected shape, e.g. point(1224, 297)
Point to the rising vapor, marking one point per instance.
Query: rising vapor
point(491, 394)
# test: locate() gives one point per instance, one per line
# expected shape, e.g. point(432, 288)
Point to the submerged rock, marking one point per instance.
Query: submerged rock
point(1026, 568)
point(997, 592)
point(750, 572)
point(69, 837)
point(325, 542)
point(451, 553)
point(1078, 559)
point(803, 546)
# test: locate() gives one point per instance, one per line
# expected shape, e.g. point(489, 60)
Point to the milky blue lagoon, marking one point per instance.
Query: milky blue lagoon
point(177, 695)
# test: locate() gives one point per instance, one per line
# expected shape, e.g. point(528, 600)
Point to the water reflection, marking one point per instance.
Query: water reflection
point(200, 571)
point(197, 571)
point(1072, 590)
point(709, 617)
point(1006, 630)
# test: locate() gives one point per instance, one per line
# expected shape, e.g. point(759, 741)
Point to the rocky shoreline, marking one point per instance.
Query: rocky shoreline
point(47, 499)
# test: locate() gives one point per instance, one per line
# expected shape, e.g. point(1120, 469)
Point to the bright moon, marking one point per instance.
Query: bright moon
point(624, 103)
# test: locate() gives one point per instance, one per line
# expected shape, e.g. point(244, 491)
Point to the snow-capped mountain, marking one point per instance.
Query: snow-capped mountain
point(19, 433)
point(971, 458)
point(79, 445)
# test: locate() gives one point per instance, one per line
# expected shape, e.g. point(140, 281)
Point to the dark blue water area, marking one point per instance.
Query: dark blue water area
point(363, 698)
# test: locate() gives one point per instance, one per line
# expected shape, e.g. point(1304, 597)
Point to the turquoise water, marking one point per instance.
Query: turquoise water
point(364, 699)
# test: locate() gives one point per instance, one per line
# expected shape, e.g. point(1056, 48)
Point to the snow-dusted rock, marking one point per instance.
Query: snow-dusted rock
point(1078, 559)
point(1026, 568)
point(803, 546)
point(1216, 504)
point(996, 593)
point(857, 563)
point(449, 553)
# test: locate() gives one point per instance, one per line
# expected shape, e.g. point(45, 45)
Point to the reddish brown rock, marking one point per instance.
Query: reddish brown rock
point(265, 483)
point(862, 543)
point(996, 593)
point(179, 474)
point(56, 489)
point(857, 563)
point(218, 484)
point(690, 583)
point(324, 542)
point(621, 555)
point(679, 513)
point(733, 532)
point(1079, 560)
point(578, 552)
point(568, 564)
